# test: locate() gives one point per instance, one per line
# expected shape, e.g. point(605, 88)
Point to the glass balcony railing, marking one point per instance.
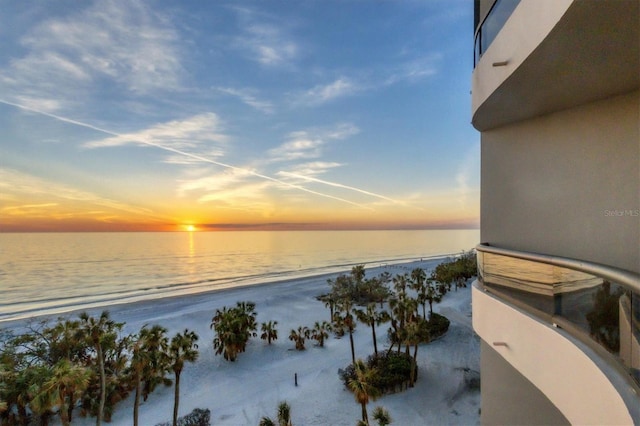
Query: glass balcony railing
point(597, 304)
point(491, 26)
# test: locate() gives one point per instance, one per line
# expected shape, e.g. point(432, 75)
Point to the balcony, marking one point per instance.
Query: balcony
point(590, 327)
point(536, 57)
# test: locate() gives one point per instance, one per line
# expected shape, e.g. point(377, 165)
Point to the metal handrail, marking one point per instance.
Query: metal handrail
point(629, 280)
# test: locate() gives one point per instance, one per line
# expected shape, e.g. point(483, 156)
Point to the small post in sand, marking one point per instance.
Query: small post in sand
point(295, 378)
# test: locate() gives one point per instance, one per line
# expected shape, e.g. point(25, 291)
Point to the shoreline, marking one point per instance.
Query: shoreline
point(230, 285)
point(242, 392)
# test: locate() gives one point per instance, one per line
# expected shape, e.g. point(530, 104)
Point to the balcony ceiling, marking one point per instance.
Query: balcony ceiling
point(592, 53)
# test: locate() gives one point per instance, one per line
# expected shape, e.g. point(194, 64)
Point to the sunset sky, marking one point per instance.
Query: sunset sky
point(157, 115)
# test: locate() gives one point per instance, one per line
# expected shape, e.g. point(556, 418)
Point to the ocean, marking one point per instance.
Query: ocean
point(51, 273)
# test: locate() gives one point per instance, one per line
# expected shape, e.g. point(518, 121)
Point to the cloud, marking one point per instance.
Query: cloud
point(125, 44)
point(324, 93)
point(145, 141)
point(50, 193)
point(246, 96)
point(307, 144)
point(264, 39)
point(338, 185)
point(314, 168)
point(179, 134)
point(414, 70)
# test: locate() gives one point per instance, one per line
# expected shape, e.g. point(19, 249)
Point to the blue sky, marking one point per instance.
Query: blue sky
point(122, 115)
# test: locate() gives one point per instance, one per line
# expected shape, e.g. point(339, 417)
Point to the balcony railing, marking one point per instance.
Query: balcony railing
point(491, 25)
point(596, 304)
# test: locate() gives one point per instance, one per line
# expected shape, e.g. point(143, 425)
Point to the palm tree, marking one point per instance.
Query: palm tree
point(234, 327)
point(400, 284)
point(100, 333)
point(320, 332)
point(183, 349)
point(358, 273)
point(418, 283)
point(382, 416)
point(39, 399)
point(362, 388)
point(63, 388)
point(284, 416)
point(434, 292)
point(329, 301)
point(413, 336)
point(344, 317)
point(149, 363)
point(371, 317)
point(299, 337)
point(269, 331)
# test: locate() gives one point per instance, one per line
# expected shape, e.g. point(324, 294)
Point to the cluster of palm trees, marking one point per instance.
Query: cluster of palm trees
point(233, 328)
point(353, 297)
point(319, 333)
point(54, 368)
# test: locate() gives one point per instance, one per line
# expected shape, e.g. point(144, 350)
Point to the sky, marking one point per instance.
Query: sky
point(213, 115)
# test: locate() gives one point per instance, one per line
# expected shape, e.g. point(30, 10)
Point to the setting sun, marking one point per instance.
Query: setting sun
point(190, 228)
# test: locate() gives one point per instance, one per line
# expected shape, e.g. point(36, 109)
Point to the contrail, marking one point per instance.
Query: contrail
point(184, 153)
point(339, 185)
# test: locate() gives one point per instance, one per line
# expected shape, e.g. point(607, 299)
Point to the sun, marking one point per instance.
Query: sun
point(190, 228)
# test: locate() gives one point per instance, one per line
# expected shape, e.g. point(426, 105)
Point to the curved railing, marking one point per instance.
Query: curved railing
point(595, 303)
point(487, 31)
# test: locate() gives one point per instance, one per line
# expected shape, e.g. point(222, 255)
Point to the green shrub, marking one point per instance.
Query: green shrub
point(392, 371)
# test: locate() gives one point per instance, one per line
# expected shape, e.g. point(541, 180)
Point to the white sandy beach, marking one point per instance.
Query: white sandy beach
point(242, 392)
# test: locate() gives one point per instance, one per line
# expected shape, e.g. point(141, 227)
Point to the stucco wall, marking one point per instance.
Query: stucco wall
point(505, 389)
point(567, 183)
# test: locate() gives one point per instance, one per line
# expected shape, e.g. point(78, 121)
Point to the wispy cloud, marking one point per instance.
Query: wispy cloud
point(248, 97)
point(33, 187)
point(199, 157)
point(314, 168)
point(263, 37)
point(180, 134)
point(124, 44)
point(307, 144)
point(324, 93)
point(413, 70)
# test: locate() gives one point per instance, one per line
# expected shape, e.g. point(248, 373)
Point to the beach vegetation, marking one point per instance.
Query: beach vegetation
point(299, 336)
point(102, 336)
point(198, 417)
point(269, 331)
point(183, 348)
point(60, 386)
point(320, 332)
point(284, 416)
point(357, 288)
point(382, 416)
point(362, 386)
point(456, 272)
point(393, 371)
point(233, 328)
point(343, 319)
point(149, 363)
point(329, 300)
point(371, 316)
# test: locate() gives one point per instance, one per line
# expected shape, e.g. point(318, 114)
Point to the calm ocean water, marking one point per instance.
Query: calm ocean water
point(55, 272)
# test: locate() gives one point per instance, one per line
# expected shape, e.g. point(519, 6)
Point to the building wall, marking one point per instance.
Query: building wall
point(503, 386)
point(567, 183)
